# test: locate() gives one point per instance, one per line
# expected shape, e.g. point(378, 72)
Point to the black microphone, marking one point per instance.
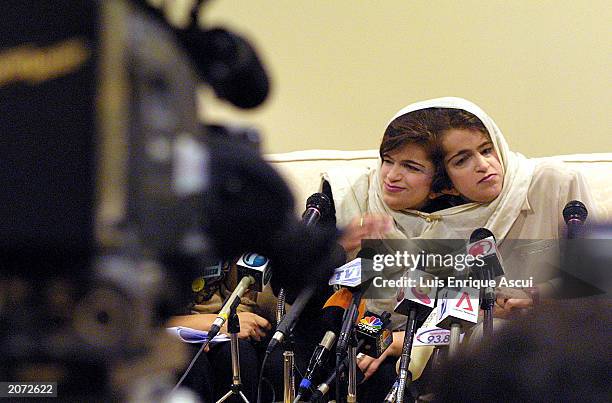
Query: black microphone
point(482, 244)
point(357, 282)
point(258, 266)
point(416, 303)
point(331, 317)
point(288, 322)
point(373, 329)
point(374, 332)
point(575, 214)
point(323, 388)
point(318, 206)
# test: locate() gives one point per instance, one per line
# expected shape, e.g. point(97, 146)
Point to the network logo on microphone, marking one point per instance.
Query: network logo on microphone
point(254, 260)
point(371, 322)
point(484, 247)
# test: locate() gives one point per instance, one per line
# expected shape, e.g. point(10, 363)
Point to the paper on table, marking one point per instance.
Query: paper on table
point(189, 335)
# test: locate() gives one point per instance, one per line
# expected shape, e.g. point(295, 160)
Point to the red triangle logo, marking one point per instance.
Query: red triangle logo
point(465, 297)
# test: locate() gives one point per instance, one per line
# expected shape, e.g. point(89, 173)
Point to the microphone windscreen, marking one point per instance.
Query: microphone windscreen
point(361, 310)
point(575, 209)
point(336, 305)
point(481, 233)
point(319, 201)
point(341, 298)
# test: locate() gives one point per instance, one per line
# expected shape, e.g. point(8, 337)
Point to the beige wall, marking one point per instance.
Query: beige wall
point(341, 69)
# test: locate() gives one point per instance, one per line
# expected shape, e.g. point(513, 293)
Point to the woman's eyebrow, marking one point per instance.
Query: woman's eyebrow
point(412, 162)
point(465, 151)
point(458, 153)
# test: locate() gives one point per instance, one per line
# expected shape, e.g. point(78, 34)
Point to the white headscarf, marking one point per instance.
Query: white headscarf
point(455, 222)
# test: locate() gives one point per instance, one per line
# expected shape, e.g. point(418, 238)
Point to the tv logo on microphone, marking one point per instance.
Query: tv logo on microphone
point(484, 247)
point(254, 260)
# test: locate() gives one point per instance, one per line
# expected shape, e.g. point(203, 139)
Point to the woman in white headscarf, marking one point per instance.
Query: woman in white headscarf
point(520, 200)
point(512, 196)
point(386, 202)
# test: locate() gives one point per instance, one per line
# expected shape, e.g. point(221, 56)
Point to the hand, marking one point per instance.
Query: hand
point(368, 365)
point(252, 326)
point(510, 302)
point(368, 226)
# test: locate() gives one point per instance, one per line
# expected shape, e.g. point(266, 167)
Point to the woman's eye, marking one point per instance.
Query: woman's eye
point(412, 168)
point(386, 161)
point(487, 151)
point(460, 161)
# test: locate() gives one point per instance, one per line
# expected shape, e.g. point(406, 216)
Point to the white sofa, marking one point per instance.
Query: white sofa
point(302, 170)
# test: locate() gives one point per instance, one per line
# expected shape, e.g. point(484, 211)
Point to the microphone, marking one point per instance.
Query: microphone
point(482, 244)
point(333, 311)
point(351, 275)
point(256, 266)
point(420, 297)
point(323, 388)
point(373, 329)
point(318, 205)
point(234, 299)
point(574, 214)
point(416, 302)
point(286, 325)
point(457, 310)
point(253, 272)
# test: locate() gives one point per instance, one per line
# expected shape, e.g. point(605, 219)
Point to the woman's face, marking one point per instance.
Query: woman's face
point(405, 175)
point(472, 164)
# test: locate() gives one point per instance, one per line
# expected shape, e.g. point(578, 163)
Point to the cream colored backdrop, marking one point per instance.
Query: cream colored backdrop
point(341, 69)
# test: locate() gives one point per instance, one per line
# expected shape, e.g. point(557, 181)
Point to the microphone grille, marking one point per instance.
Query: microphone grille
point(319, 201)
point(481, 233)
point(575, 210)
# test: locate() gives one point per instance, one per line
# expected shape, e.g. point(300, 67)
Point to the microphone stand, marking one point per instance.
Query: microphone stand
point(402, 377)
point(351, 396)
point(455, 338)
point(233, 326)
point(346, 339)
point(288, 354)
point(288, 370)
point(487, 303)
point(323, 388)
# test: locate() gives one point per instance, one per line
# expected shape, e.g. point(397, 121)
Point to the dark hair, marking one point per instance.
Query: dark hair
point(425, 127)
point(447, 119)
point(411, 128)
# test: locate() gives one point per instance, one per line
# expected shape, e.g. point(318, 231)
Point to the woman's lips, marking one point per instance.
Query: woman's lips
point(393, 189)
point(487, 178)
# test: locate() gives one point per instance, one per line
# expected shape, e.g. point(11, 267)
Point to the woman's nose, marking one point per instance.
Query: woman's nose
point(481, 163)
point(395, 173)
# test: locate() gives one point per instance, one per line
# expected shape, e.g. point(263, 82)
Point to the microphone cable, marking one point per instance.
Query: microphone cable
point(262, 378)
point(193, 360)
